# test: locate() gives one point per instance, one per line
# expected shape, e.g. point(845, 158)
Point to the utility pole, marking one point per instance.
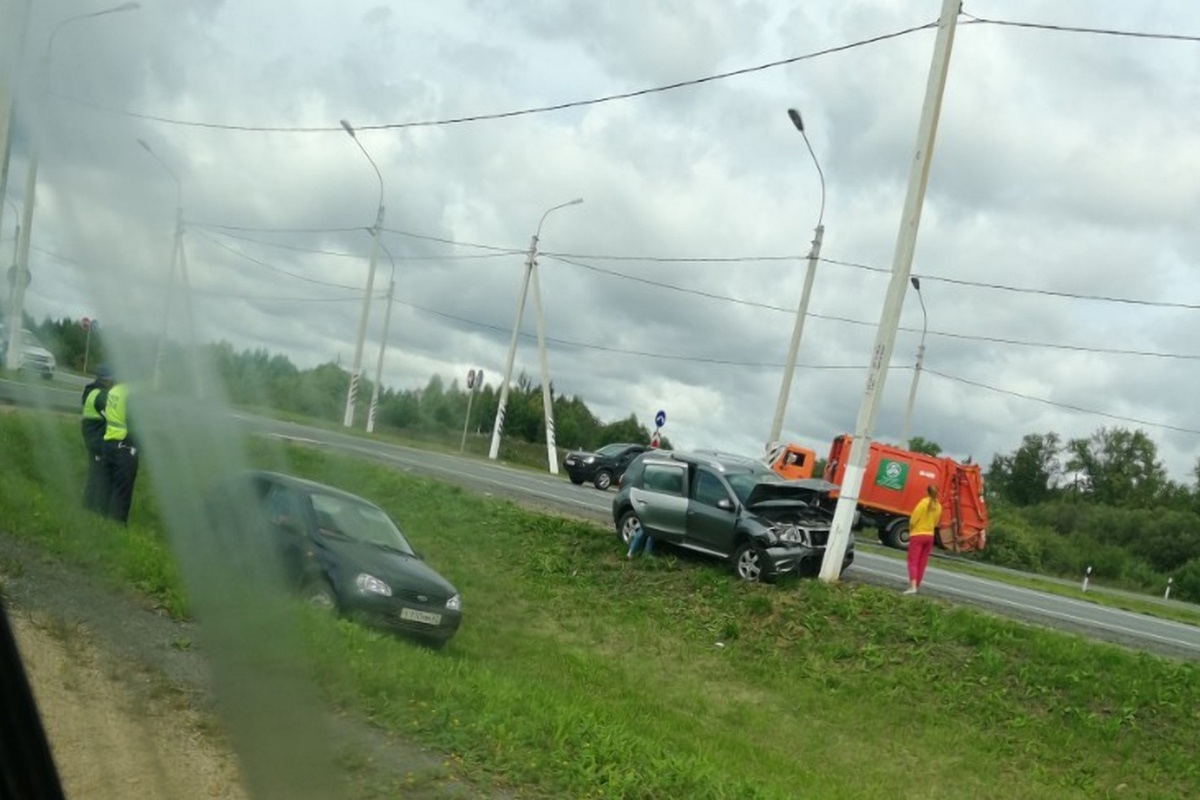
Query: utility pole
point(912, 391)
point(502, 406)
point(547, 399)
point(356, 370)
point(814, 253)
point(387, 322)
point(12, 46)
point(889, 321)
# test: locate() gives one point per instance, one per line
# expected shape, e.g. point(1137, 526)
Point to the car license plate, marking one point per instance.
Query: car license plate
point(427, 617)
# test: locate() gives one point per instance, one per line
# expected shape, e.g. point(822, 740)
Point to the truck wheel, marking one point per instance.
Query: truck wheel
point(897, 535)
point(751, 564)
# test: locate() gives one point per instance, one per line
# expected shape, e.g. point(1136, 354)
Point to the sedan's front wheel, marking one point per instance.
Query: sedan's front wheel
point(320, 595)
point(752, 564)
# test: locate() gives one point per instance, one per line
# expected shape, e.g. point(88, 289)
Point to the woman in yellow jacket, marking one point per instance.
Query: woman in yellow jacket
point(922, 524)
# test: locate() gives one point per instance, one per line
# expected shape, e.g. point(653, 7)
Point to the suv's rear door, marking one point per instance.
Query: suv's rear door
point(660, 500)
point(711, 514)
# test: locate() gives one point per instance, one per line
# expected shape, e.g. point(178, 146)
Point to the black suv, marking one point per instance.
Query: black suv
point(603, 466)
point(730, 507)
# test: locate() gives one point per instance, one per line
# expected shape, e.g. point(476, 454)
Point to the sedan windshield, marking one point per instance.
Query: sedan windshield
point(359, 521)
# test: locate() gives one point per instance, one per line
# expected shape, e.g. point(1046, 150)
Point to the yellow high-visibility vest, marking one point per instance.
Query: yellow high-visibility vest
point(89, 405)
point(114, 412)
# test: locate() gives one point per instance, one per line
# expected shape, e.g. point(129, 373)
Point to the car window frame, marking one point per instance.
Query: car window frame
point(300, 508)
point(704, 472)
point(678, 469)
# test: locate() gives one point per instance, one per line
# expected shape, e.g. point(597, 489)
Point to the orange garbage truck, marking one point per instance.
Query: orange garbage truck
point(895, 480)
point(791, 461)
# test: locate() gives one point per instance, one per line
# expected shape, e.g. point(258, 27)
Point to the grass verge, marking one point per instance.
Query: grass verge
point(579, 674)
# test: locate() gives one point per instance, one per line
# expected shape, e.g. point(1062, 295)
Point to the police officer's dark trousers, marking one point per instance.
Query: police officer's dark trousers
point(120, 468)
point(95, 490)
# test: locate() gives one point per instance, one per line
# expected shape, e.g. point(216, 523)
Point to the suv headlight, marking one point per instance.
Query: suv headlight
point(790, 534)
point(454, 603)
point(372, 585)
point(590, 460)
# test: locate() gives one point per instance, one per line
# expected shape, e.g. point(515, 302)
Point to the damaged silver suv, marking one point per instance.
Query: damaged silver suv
point(730, 508)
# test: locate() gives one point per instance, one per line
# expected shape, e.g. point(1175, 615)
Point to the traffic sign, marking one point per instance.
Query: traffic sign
point(655, 442)
point(470, 379)
point(86, 323)
point(660, 418)
point(479, 379)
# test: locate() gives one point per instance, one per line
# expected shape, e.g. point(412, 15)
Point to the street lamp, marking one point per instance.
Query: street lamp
point(912, 392)
point(814, 253)
point(387, 321)
point(547, 402)
point(356, 372)
point(178, 260)
point(18, 300)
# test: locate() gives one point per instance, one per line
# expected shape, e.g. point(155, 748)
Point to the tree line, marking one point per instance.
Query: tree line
point(1104, 501)
point(263, 379)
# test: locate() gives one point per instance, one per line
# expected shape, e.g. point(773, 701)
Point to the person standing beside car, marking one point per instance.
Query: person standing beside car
point(922, 525)
point(92, 424)
point(120, 454)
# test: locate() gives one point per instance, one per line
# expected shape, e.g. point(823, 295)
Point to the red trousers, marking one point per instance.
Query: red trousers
point(919, 548)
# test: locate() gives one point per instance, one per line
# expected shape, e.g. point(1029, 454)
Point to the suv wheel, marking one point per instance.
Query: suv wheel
point(628, 527)
point(603, 480)
point(751, 563)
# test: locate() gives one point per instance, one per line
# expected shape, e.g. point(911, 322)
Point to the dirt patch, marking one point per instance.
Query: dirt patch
point(115, 733)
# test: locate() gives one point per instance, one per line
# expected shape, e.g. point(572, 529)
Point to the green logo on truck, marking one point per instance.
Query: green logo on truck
point(891, 474)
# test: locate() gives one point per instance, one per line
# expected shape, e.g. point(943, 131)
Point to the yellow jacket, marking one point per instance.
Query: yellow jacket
point(925, 517)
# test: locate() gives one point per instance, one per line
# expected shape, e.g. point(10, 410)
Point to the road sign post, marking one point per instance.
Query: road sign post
point(474, 381)
point(87, 342)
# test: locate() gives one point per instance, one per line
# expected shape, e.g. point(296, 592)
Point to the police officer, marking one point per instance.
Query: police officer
point(120, 453)
point(95, 490)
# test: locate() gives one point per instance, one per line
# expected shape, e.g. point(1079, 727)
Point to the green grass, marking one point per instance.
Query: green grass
point(1149, 606)
point(579, 674)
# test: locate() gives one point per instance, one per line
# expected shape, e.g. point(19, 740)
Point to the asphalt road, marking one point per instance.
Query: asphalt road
point(1124, 627)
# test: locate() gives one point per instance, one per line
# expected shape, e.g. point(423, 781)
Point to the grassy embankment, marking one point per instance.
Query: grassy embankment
point(579, 674)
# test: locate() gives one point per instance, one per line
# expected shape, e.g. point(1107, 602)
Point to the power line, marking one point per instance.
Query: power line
point(358, 256)
point(505, 114)
point(622, 351)
point(1077, 29)
point(849, 320)
point(1067, 406)
point(274, 268)
point(508, 251)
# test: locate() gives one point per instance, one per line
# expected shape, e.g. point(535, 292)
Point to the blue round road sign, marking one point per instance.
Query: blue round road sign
point(660, 418)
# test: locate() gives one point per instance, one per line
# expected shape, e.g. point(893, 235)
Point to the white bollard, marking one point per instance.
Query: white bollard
point(1087, 576)
point(1167, 593)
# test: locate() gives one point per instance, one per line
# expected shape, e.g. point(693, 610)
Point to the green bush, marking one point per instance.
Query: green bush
point(1187, 581)
point(1013, 541)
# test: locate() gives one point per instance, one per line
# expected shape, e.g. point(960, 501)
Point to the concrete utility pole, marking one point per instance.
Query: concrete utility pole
point(889, 320)
point(22, 271)
point(387, 323)
point(502, 406)
point(12, 45)
point(912, 391)
point(814, 253)
point(356, 370)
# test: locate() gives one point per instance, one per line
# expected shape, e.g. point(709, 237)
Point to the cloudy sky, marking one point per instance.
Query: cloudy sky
point(1066, 162)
